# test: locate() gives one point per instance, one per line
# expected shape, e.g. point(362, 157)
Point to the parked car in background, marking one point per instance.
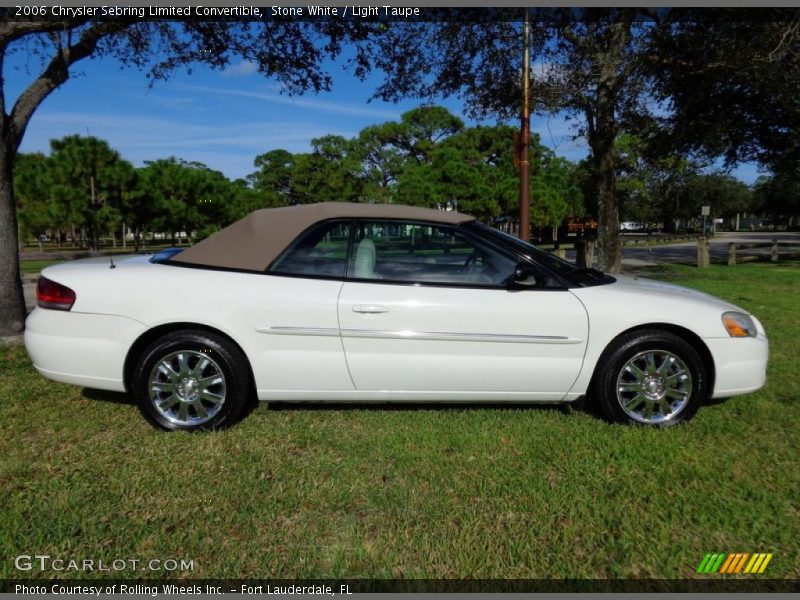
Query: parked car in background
point(352, 302)
point(632, 227)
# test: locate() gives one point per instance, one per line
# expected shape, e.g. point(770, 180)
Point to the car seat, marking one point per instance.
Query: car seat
point(366, 255)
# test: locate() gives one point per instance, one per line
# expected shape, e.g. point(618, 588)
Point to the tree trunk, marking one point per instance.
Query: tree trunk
point(605, 185)
point(12, 300)
point(609, 257)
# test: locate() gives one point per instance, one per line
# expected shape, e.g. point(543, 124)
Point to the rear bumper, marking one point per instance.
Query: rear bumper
point(740, 364)
point(80, 348)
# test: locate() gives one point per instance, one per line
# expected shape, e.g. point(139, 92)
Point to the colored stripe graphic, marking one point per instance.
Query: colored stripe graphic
point(718, 563)
point(740, 563)
point(712, 558)
point(754, 563)
point(703, 563)
point(711, 563)
point(732, 564)
point(758, 564)
point(727, 564)
point(765, 563)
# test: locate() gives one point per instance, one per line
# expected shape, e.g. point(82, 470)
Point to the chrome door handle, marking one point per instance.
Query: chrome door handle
point(369, 309)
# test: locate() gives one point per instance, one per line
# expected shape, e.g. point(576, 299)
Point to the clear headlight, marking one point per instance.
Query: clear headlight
point(739, 324)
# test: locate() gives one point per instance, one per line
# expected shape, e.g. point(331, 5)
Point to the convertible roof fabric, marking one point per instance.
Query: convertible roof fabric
point(252, 243)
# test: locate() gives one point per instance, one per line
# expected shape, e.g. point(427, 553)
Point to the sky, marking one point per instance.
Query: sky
point(223, 119)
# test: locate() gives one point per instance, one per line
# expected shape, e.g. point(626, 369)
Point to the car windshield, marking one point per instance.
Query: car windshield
point(579, 275)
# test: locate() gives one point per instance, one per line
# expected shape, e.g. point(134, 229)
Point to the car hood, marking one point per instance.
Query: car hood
point(634, 301)
point(643, 286)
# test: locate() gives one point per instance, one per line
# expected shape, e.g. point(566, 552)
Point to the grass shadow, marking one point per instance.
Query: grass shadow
point(714, 401)
point(278, 406)
point(107, 396)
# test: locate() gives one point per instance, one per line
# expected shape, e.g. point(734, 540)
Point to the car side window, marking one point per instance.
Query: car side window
point(425, 253)
point(319, 252)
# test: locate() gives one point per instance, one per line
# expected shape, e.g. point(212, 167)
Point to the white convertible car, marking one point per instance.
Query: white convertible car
point(386, 303)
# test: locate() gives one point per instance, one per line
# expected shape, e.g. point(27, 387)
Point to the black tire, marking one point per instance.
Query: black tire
point(664, 387)
point(222, 372)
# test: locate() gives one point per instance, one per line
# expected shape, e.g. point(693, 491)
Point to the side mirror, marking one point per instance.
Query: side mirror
point(524, 275)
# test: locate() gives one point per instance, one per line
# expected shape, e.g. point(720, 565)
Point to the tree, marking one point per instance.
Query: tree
point(724, 194)
point(595, 74)
point(731, 86)
point(482, 178)
point(329, 173)
point(274, 178)
point(32, 187)
point(421, 129)
point(138, 211)
point(556, 190)
point(778, 196)
point(188, 196)
point(292, 53)
point(381, 162)
point(653, 187)
point(89, 180)
point(245, 199)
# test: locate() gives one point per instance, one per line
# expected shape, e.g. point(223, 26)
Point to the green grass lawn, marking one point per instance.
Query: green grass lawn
point(414, 492)
point(28, 267)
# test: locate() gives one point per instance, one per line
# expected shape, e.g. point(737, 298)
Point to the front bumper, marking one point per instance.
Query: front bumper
point(740, 364)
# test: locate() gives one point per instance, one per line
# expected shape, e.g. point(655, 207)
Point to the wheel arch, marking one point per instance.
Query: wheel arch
point(149, 336)
point(686, 334)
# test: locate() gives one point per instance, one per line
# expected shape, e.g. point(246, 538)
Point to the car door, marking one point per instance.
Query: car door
point(425, 313)
point(294, 315)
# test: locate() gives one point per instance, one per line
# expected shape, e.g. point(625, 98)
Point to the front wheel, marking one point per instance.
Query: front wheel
point(191, 380)
point(650, 377)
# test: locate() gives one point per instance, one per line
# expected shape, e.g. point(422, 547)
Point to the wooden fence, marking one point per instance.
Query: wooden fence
point(771, 249)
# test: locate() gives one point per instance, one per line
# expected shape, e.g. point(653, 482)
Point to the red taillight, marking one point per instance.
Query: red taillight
point(50, 294)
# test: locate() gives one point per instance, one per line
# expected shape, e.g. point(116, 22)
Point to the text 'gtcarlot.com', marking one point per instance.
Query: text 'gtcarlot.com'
point(45, 562)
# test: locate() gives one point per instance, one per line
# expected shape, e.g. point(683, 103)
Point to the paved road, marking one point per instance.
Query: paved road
point(632, 257)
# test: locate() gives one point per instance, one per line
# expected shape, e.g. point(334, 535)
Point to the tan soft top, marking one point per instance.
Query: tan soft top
point(252, 243)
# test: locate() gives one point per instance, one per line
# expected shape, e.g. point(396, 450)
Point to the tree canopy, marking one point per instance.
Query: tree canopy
point(427, 158)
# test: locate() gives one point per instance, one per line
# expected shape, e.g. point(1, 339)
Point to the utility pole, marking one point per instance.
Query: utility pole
point(525, 137)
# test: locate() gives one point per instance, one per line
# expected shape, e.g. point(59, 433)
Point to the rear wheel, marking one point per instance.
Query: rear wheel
point(191, 380)
point(650, 377)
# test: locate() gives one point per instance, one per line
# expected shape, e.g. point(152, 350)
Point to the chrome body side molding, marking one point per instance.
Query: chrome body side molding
point(317, 331)
point(445, 336)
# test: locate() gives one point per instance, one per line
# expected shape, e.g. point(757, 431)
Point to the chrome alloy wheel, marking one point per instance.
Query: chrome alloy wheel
point(654, 386)
point(187, 387)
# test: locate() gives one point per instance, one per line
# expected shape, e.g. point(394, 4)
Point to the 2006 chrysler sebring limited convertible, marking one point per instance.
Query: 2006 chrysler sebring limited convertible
point(359, 302)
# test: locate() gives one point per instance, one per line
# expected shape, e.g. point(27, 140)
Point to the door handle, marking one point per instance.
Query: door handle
point(369, 309)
